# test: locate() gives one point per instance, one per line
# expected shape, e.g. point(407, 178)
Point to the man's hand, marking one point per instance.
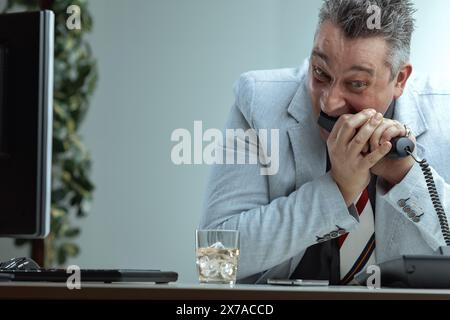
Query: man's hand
point(347, 142)
point(392, 171)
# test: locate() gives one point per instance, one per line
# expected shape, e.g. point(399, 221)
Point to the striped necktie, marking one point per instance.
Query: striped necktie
point(357, 248)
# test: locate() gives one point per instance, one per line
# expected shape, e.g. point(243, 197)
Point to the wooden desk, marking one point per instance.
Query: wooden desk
point(145, 291)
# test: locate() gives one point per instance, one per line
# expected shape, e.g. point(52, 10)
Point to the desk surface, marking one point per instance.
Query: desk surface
point(177, 291)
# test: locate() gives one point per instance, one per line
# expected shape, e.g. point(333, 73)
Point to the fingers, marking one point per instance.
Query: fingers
point(364, 134)
point(387, 131)
point(393, 132)
point(366, 149)
point(376, 156)
point(375, 140)
point(347, 126)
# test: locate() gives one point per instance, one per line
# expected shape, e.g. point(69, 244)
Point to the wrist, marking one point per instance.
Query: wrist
point(350, 195)
point(393, 177)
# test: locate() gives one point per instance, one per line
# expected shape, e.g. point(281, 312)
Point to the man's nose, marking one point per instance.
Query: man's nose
point(333, 102)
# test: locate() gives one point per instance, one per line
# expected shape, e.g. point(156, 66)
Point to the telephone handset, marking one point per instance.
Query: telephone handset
point(411, 271)
point(399, 145)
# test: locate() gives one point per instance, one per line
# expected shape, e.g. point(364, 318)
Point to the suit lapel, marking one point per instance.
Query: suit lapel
point(409, 113)
point(308, 148)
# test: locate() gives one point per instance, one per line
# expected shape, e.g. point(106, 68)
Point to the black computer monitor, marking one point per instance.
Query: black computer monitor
point(26, 104)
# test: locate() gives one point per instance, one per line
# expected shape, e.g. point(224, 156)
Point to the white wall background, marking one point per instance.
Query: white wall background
point(164, 64)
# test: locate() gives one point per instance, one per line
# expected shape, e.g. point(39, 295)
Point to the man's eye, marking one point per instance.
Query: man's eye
point(358, 85)
point(320, 74)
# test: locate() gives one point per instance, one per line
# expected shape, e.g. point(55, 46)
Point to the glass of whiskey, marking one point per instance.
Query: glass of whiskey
point(217, 256)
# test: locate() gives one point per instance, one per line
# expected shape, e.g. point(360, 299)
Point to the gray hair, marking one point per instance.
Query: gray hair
point(396, 24)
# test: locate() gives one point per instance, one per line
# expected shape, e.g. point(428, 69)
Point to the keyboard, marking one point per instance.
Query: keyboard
point(92, 275)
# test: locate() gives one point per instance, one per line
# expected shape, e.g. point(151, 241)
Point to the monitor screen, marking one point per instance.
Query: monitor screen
point(26, 96)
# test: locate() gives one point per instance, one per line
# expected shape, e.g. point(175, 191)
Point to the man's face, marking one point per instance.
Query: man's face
point(347, 76)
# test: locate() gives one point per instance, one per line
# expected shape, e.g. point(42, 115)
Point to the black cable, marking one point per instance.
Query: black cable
point(434, 196)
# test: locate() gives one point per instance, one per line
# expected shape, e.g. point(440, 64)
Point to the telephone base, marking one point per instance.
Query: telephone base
point(418, 272)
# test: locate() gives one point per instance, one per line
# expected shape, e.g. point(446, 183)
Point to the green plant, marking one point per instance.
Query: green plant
point(75, 77)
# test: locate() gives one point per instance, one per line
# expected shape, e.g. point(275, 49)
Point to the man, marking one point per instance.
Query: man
point(337, 203)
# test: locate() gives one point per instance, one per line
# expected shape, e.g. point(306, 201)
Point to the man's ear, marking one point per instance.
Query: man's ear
point(401, 79)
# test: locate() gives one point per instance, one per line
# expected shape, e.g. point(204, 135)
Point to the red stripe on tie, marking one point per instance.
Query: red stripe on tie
point(341, 240)
point(362, 201)
point(360, 205)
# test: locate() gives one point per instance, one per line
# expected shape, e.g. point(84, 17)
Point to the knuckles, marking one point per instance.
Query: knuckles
point(359, 141)
point(372, 160)
point(346, 125)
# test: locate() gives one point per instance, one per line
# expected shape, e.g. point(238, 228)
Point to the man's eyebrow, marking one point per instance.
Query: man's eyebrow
point(320, 54)
point(371, 72)
point(324, 57)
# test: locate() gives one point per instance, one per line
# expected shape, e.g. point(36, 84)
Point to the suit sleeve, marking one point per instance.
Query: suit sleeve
point(271, 232)
point(412, 199)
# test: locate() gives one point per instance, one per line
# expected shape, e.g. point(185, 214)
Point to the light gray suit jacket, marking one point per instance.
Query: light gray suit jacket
point(280, 216)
